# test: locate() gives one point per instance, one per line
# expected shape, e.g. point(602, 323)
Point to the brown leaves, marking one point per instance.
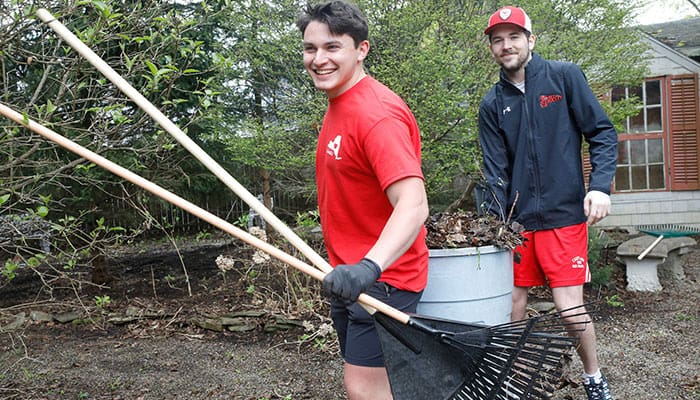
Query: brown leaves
point(466, 229)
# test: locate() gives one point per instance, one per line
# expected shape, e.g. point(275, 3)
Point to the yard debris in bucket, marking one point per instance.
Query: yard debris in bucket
point(467, 229)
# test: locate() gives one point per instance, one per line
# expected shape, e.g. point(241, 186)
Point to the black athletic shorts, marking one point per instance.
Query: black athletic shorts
point(359, 343)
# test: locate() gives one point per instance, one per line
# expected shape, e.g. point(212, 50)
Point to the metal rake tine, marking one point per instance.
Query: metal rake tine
point(590, 308)
point(511, 394)
point(550, 327)
point(482, 338)
point(542, 322)
point(542, 342)
point(546, 355)
point(512, 343)
point(527, 380)
point(530, 385)
point(514, 388)
point(537, 369)
point(541, 375)
point(539, 358)
point(533, 337)
point(463, 395)
point(568, 312)
point(535, 346)
point(525, 368)
point(531, 376)
point(529, 363)
point(473, 392)
point(534, 343)
point(540, 326)
point(539, 351)
point(508, 390)
point(555, 320)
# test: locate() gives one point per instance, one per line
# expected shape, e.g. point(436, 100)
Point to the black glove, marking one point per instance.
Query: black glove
point(347, 281)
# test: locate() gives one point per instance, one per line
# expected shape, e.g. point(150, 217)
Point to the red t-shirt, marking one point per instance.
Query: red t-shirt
point(369, 140)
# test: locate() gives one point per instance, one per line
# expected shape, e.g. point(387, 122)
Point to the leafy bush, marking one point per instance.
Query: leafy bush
point(601, 271)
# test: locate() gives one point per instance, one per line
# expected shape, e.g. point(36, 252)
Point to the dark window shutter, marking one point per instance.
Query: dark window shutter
point(683, 133)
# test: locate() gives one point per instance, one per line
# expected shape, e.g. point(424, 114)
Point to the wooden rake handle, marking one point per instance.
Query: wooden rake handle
point(184, 140)
point(172, 198)
point(650, 248)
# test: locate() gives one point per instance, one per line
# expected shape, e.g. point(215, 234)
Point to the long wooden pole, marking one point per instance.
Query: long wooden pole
point(183, 139)
point(178, 201)
point(650, 248)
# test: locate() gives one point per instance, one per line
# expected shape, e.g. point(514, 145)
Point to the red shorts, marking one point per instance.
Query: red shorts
point(559, 256)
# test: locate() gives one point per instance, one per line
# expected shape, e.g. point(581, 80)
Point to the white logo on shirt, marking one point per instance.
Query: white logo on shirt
point(334, 147)
point(505, 110)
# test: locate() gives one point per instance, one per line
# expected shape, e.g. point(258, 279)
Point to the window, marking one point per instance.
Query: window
point(641, 162)
point(640, 165)
point(650, 111)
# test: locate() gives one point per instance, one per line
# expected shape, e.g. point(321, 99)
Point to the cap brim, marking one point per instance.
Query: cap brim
point(494, 26)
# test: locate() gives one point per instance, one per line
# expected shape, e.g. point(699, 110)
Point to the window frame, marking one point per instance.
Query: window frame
point(646, 136)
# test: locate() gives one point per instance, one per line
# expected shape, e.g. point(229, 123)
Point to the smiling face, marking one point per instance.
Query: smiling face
point(511, 48)
point(333, 61)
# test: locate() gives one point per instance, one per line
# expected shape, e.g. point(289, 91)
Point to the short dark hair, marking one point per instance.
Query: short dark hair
point(340, 16)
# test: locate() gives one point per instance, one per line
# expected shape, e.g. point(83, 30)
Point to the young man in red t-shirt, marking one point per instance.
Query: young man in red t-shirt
point(371, 192)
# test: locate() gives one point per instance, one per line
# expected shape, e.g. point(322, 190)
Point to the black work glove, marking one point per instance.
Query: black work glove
point(347, 281)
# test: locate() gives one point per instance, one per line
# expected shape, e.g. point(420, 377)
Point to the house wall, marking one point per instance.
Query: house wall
point(666, 61)
point(662, 65)
point(652, 208)
point(630, 210)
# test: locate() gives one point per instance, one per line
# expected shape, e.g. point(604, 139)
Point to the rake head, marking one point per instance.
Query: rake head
point(455, 360)
point(669, 230)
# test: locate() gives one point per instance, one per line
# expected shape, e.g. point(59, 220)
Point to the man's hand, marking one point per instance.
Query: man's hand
point(596, 206)
point(347, 281)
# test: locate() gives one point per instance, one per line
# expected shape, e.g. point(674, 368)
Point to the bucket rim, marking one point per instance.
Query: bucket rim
point(466, 251)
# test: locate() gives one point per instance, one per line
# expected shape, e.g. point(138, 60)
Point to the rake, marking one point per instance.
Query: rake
point(515, 359)
point(469, 361)
point(664, 230)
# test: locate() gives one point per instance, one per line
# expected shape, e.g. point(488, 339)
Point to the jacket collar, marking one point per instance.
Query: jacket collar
point(532, 69)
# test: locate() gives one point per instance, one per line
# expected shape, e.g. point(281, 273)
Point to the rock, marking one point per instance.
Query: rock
point(17, 323)
point(145, 313)
point(241, 328)
point(40, 316)
point(66, 317)
point(211, 324)
point(228, 321)
point(121, 320)
point(251, 314)
point(282, 323)
point(542, 306)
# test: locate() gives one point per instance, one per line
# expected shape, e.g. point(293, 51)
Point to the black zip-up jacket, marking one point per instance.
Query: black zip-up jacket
point(531, 144)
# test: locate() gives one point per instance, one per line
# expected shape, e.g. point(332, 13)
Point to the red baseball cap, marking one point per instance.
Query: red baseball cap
point(509, 15)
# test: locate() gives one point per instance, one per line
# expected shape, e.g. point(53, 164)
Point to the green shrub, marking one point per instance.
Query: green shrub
point(601, 272)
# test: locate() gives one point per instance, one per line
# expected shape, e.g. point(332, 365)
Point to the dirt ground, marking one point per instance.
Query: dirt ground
point(149, 341)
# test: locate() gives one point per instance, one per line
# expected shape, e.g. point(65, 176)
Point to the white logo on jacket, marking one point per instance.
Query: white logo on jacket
point(334, 147)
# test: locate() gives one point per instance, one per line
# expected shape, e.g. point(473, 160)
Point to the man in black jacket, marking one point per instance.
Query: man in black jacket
point(531, 127)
